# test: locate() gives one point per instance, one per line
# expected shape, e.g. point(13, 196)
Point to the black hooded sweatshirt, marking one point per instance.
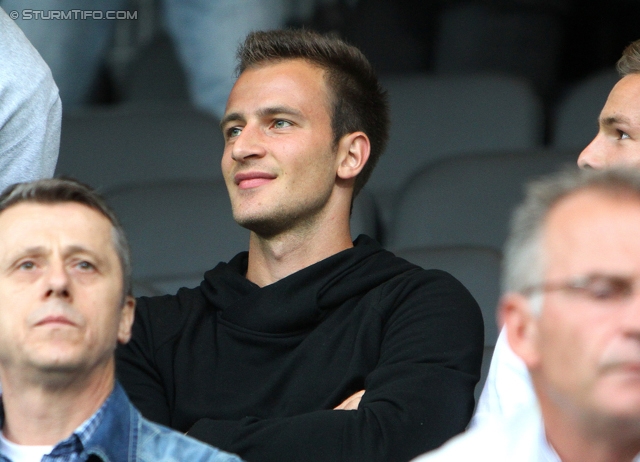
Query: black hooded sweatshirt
point(258, 371)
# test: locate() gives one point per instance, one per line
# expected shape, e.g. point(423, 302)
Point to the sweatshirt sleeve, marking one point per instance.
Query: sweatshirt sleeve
point(136, 371)
point(419, 395)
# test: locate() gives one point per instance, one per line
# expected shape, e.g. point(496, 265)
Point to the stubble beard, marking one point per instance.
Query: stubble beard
point(299, 217)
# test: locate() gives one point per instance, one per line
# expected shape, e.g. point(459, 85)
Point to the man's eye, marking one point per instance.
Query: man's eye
point(608, 288)
point(622, 135)
point(85, 266)
point(233, 132)
point(27, 265)
point(282, 124)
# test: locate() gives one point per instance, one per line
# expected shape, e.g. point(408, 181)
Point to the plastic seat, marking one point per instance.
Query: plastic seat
point(576, 116)
point(437, 117)
point(364, 216)
point(130, 144)
point(468, 200)
point(519, 38)
point(177, 231)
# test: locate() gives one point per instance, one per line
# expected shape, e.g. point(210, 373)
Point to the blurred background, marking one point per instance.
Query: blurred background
point(485, 95)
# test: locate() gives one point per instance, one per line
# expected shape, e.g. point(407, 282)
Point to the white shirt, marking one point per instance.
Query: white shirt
point(22, 453)
point(520, 438)
point(508, 386)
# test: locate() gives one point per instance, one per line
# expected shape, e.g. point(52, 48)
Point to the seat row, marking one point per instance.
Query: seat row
point(432, 118)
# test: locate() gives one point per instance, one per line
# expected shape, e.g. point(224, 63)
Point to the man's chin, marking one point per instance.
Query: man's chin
point(265, 227)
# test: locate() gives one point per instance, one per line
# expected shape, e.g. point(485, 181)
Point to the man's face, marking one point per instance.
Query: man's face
point(587, 358)
point(279, 160)
point(618, 140)
point(60, 289)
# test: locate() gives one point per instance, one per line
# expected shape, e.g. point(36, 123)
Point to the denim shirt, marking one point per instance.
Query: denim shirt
point(125, 436)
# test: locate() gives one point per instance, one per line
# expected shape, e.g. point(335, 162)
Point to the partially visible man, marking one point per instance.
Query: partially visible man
point(65, 303)
point(572, 314)
point(309, 346)
point(508, 386)
point(618, 140)
point(30, 110)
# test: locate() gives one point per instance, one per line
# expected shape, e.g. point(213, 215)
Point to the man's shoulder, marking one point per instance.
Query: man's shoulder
point(159, 443)
point(397, 268)
point(498, 440)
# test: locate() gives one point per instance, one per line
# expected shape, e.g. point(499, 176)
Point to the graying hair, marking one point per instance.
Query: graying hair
point(60, 190)
point(629, 63)
point(524, 256)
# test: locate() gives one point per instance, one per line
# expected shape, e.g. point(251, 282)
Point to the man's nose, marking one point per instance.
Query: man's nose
point(57, 281)
point(249, 143)
point(594, 155)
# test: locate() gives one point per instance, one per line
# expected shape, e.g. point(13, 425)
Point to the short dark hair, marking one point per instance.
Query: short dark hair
point(60, 190)
point(629, 63)
point(359, 102)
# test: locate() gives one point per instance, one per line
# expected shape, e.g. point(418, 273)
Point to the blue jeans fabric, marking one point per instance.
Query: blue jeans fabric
point(206, 34)
point(74, 49)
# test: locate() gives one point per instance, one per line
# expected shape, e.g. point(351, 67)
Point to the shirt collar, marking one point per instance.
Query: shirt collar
point(81, 438)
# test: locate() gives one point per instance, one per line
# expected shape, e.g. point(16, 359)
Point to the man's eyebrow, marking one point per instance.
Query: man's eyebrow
point(35, 250)
point(229, 117)
point(269, 111)
point(79, 249)
point(264, 112)
point(613, 120)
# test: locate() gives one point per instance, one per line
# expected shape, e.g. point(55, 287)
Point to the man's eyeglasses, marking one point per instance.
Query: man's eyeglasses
point(595, 287)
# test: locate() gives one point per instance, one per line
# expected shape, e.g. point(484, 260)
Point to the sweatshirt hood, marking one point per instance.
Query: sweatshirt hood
point(302, 299)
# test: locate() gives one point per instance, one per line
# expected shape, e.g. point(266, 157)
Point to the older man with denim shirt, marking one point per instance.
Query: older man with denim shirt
point(65, 303)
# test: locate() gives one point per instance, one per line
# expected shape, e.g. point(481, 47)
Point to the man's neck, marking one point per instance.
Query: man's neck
point(274, 258)
point(47, 413)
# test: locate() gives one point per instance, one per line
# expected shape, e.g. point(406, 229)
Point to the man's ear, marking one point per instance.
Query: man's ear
point(353, 153)
point(522, 327)
point(126, 319)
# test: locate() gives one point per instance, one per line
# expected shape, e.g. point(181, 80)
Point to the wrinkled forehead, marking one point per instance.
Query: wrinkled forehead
point(28, 223)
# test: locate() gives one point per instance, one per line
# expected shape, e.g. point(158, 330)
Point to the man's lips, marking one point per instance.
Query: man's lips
point(248, 180)
point(55, 320)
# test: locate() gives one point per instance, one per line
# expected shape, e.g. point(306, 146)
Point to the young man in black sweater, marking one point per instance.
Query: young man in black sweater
point(309, 346)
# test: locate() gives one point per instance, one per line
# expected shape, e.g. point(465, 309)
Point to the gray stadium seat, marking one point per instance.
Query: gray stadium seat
point(177, 231)
point(468, 200)
point(437, 117)
point(364, 216)
point(128, 144)
point(478, 268)
point(519, 38)
point(576, 116)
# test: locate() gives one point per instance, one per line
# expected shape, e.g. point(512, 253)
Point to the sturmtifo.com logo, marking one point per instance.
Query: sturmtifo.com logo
point(62, 15)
